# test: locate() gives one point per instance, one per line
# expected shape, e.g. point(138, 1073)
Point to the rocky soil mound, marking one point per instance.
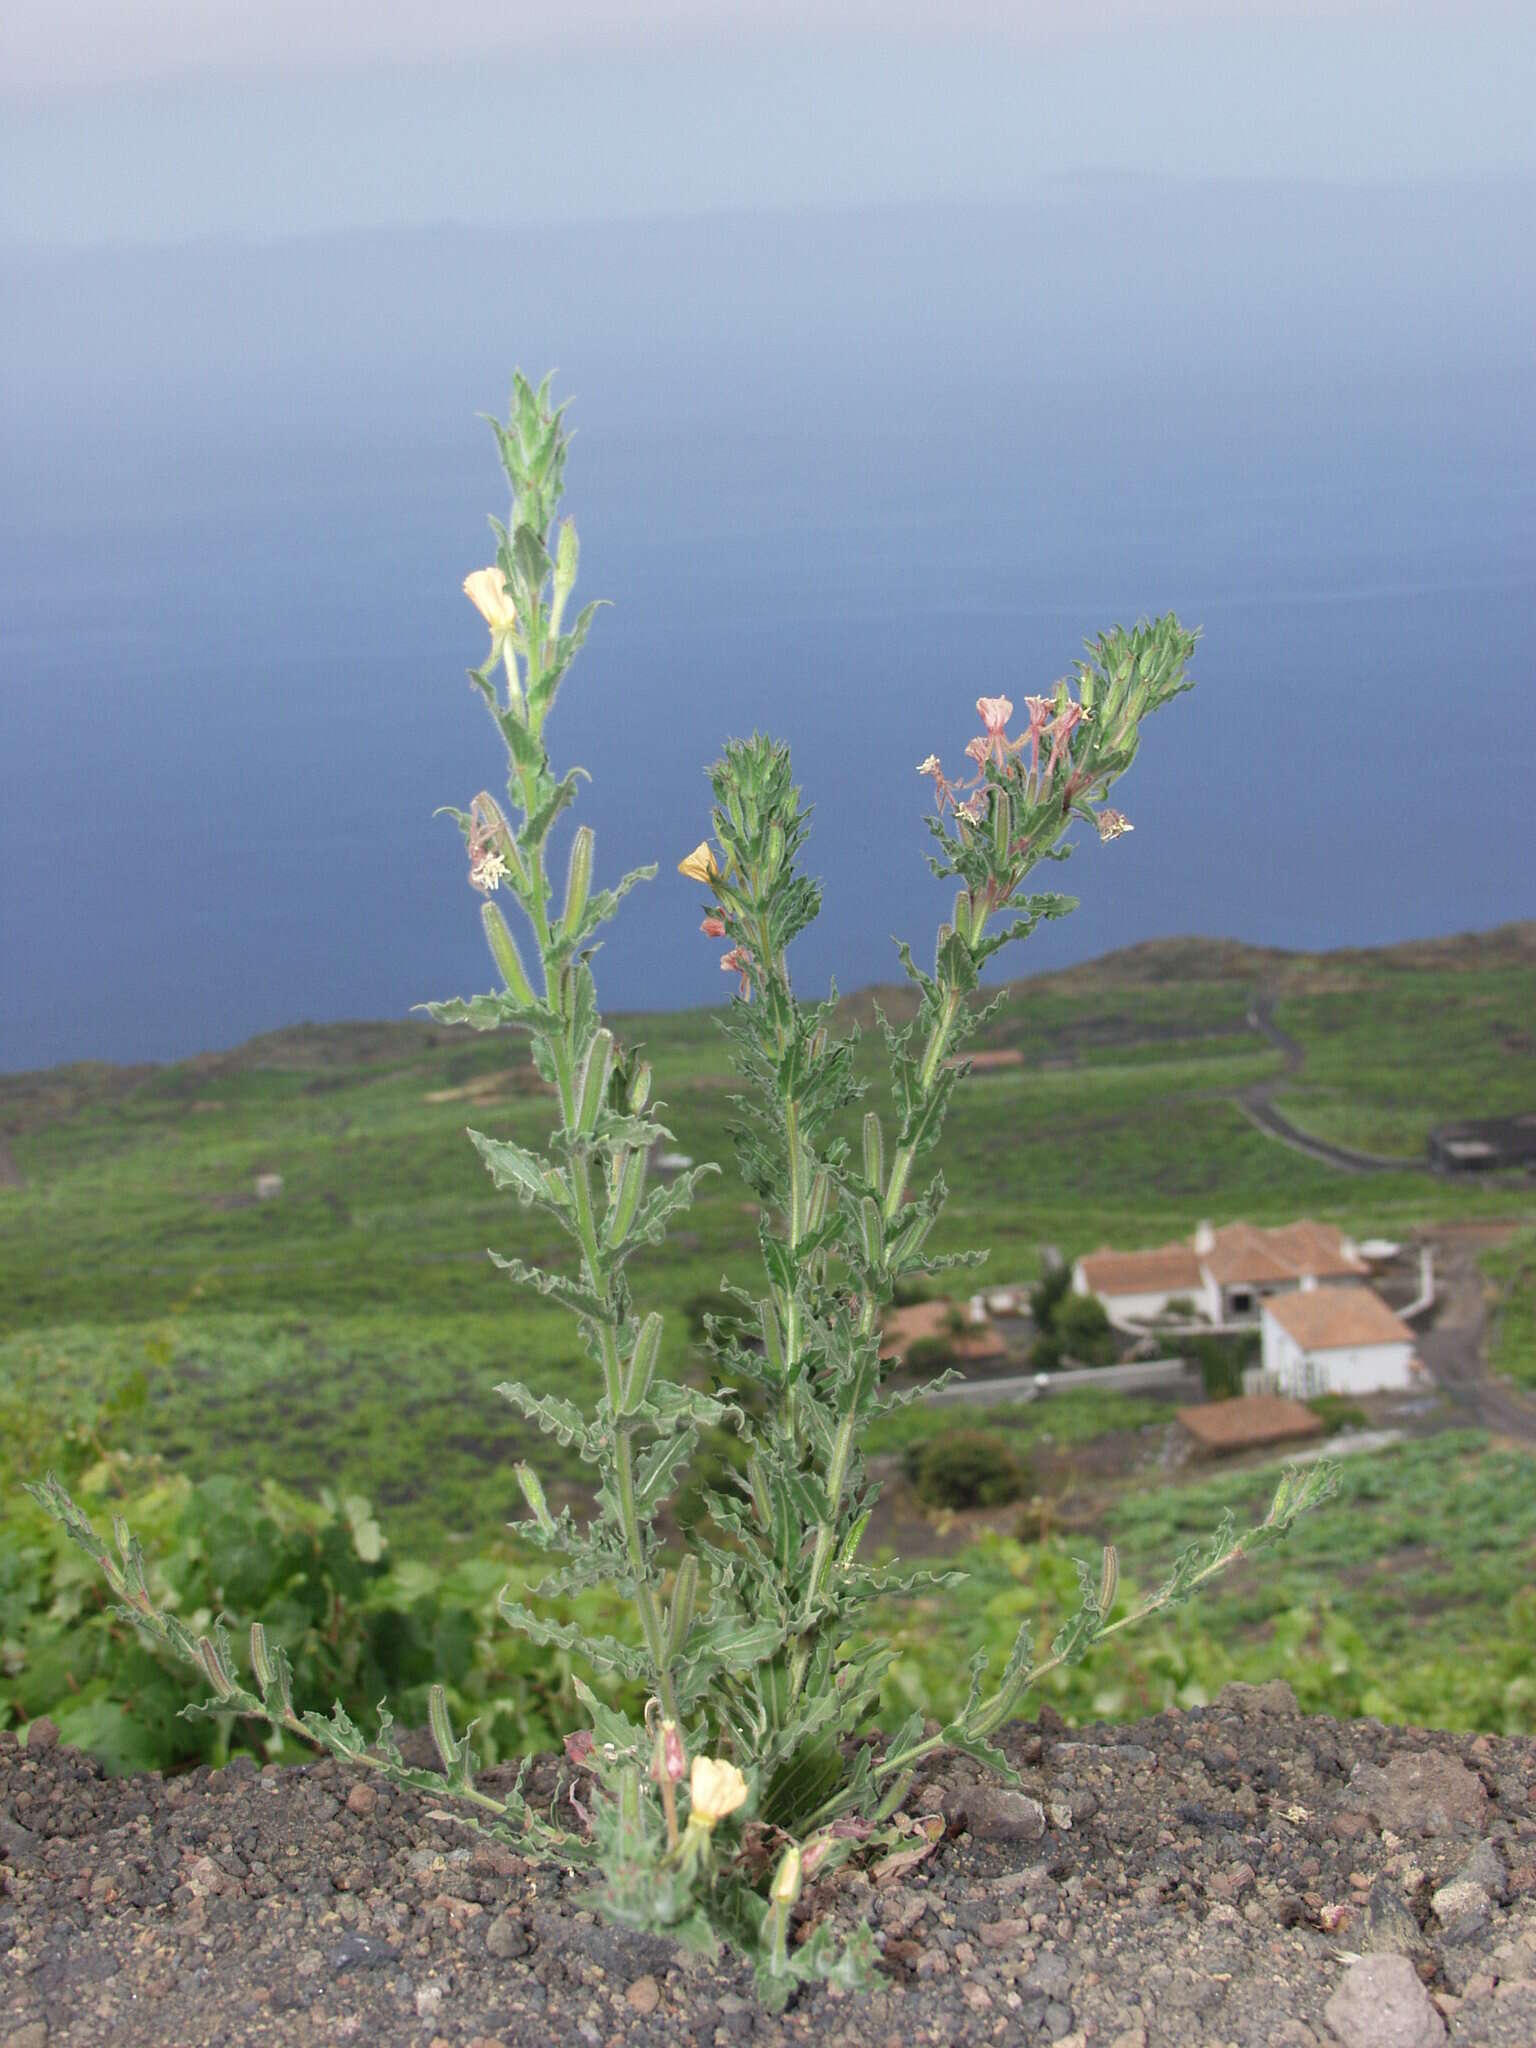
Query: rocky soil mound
point(1236, 1874)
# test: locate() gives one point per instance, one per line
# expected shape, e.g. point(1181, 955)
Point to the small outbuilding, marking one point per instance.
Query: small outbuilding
point(1249, 1422)
point(1334, 1340)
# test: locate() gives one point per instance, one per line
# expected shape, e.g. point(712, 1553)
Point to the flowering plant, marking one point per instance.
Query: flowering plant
point(742, 1781)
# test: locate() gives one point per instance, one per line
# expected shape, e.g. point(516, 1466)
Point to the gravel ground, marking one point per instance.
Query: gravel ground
point(1236, 1874)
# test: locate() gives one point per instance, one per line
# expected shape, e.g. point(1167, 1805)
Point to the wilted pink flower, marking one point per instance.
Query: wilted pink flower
point(487, 871)
point(713, 926)
point(1059, 732)
point(578, 1747)
point(994, 712)
point(737, 962)
point(673, 1762)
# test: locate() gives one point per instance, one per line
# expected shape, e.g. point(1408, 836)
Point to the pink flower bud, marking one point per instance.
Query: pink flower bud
point(713, 926)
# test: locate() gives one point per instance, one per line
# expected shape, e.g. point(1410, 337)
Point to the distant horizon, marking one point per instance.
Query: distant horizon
point(1065, 182)
point(1515, 927)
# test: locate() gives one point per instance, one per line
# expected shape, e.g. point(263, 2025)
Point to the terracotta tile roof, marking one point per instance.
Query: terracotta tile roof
point(1166, 1269)
point(904, 1327)
point(1250, 1419)
point(1327, 1318)
point(1243, 1254)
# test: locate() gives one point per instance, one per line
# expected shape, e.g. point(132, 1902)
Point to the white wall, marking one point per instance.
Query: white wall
point(1349, 1369)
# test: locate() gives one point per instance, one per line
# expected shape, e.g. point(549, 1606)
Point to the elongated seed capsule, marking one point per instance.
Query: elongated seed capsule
point(593, 1083)
point(261, 1662)
point(504, 952)
point(567, 554)
point(738, 817)
point(962, 915)
point(684, 1594)
point(1109, 1578)
point(533, 1494)
point(816, 1207)
point(762, 1501)
point(871, 1230)
point(773, 1336)
point(627, 1200)
point(774, 855)
point(216, 1669)
point(578, 879)
point(640, 1088)
point(874, 1152)
point(852, 1540)
point(442, 1727)
point(1002, 822)
point(642, 1363)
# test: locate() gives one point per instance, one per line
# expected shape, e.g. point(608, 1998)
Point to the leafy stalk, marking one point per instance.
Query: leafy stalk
point(755, 1644)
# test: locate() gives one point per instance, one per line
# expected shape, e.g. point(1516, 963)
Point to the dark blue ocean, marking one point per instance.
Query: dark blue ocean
point(839, 475)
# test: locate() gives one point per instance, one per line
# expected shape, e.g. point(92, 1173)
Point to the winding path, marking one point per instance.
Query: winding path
point(1257, 1104)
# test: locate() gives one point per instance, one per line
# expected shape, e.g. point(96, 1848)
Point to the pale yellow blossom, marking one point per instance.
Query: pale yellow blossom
point(701, 865)
point(487, 592)
point(714, 1789)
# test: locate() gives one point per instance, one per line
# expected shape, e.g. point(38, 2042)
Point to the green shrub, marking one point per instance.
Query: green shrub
point(1080, 1322)
point(1045, 1352)
point(357, 1626)
point(1337, 1411)
point(969, 1469)
point(930, 1355)
point(1047, 1291)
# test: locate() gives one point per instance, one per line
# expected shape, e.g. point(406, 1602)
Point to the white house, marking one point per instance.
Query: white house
point(1333, 1340)
point(1224, 1275)
point(1139, 1284)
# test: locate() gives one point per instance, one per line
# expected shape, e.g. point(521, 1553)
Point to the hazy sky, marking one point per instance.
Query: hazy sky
point(167, 119)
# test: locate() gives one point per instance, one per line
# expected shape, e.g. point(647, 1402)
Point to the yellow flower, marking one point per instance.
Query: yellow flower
point(701, 865)
point(715, 1789)
point(487, 592)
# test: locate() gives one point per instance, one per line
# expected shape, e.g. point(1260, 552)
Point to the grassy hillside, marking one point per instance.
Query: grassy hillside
point(349, 1333)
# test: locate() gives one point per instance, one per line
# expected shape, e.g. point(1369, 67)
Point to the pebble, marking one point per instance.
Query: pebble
point(505, 1938)
point(644, 1995)
point(42, 1734)
point(362, 1799)
point(996, 1813)
point(1382, 2004)
point(1429, 1794)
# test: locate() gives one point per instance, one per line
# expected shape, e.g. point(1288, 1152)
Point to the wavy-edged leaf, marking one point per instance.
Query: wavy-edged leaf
point(555, 1287)
point(559, 1419)
point(602, 1652)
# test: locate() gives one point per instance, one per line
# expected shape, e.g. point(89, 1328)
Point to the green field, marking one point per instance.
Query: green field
point(349, 1333)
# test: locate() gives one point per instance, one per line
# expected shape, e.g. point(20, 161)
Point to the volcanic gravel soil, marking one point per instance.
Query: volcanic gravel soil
point(1234, 1874)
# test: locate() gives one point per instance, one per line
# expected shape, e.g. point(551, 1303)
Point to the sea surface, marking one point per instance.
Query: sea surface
point(839, 474)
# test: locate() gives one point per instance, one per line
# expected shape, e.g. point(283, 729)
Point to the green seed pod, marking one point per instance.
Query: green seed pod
point(1109, 1579)
point(216, 1668)
point(627, 1200)
point(874, 1152)
point(533, 1494)
point(1002, 822)
point(773, 858)
point(871, 1230)
point(816, 1207)
point(852, 1541)
point(962, 915)
point(261, 1662)
point(762, 1500)
point(684, 1594)
point(504, 952)
point(567, 554)
point(592, 1085)
point(442, 1727)
point(773, 1336)
point(640, 1088)
point(642, 1364)
point(578, 879)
